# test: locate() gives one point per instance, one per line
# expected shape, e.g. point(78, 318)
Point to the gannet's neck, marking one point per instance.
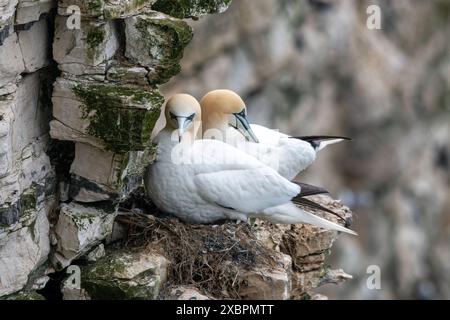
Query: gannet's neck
point(213, 121)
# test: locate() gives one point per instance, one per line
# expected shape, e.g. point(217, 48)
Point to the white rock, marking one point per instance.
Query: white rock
point(110, 9)
point(11, 62)
point(7, 11)
point(60, 131)
point(95, 164)
point(186, 293)
point(35, 45)
point(96, 253)
point(21, 252)
point(23, 140)
point(268, 283)
point(97, 172)
point(40, 283)
point(129, 274)
point(31, 10)
point(79, 229)
point(82, 49)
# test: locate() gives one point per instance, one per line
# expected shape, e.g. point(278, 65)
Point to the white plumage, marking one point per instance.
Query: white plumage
point(202, 181)
point(285, 154)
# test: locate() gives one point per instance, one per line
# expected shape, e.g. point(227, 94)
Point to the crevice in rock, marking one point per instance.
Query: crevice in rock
point(52, 290)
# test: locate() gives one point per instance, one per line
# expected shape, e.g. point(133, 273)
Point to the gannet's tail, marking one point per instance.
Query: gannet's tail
point(290, 214)
point(320, 142)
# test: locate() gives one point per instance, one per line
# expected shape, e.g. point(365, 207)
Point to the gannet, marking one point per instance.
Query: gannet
point(224, 117)
point(204, 180)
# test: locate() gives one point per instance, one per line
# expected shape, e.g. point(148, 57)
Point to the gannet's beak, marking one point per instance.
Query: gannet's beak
point(182, 123)
point(240, 123)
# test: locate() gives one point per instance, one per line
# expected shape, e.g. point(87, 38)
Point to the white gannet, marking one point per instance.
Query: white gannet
point(203, 181)
point(224, 117)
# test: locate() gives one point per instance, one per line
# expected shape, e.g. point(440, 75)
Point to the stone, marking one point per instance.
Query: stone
point(112, 9)
point(11, 63)
point(23, 127)
point(126, 274)
point(156, 41)
point(185, 293)
point(22, 251)
point(40, 283)
point(267, 283)
point(32, 10)
point(96, 253)
point(122, 8)
point(79, 229)
point(188, 9)
point(35, 46)
point(133, 75)
point(85, 50)
point(102, 173)
point(32, 295)
point(7, 11)
point(123, 116)
point(25, 172)
point(110, 176)
point(88, 8)
point(60, 131)
point(304, 281)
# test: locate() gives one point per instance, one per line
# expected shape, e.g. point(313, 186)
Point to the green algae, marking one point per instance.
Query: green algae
point(122, 116)
point(190, 8)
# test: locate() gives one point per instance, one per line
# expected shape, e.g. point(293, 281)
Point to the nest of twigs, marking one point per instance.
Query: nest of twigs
point(209, 257)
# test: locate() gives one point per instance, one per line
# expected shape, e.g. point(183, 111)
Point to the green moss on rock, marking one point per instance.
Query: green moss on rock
point(94, 5)
point(24, 296)
point(113, 11)
point(28, 200)
point(95, 37)
point(130, 75)
point(122, 116)
point(190, 8)
point(157, 41)
point(111, 278)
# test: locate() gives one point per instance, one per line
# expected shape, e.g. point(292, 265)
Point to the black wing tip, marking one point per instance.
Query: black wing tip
point(315, 205)
point(320, 138)
point(309, 189)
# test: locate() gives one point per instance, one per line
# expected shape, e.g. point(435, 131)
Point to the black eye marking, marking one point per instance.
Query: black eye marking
point(191, 117)
point(241, 113)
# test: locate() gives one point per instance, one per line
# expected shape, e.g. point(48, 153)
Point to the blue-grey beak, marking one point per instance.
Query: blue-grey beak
point(241, 124)
point(183, 123)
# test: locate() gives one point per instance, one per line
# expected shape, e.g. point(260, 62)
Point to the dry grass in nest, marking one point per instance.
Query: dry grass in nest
point(209, 257)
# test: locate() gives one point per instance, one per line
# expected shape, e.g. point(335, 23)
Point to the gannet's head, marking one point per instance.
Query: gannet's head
point(230, 104)
point(182, 110)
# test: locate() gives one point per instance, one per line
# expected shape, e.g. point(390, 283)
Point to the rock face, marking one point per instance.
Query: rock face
point(78, 104)
point(27, 179)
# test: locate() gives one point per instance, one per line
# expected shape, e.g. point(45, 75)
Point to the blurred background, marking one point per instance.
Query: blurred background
point(310, 67)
